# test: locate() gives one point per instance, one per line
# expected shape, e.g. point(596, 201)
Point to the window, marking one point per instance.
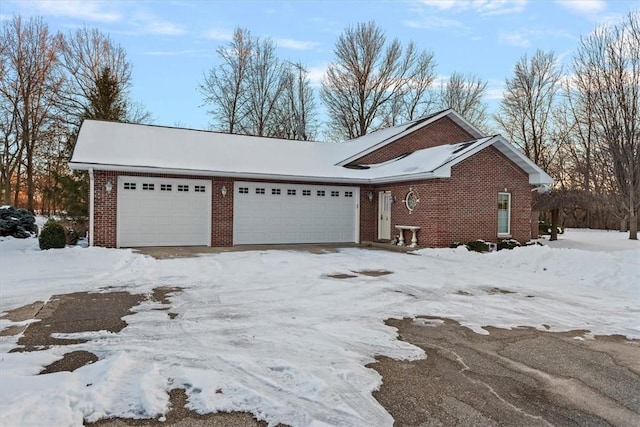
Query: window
point(306, 192)
point(335, 194)
point(259, 190)
point(275, 191)
point(291, 192)
point(320, 193)
point(129, 185)
point(148, 186)
point(183, 188)
point(165, 187)
point(243, 190)
point(348, 194)
point(504, 213)
point(200, 189)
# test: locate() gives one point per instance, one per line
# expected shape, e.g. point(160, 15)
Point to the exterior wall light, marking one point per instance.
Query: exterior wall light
point(370, 196)
point(108, 186)
point(223, 190)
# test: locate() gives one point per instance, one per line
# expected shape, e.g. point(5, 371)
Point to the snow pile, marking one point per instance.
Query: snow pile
point(271, 333)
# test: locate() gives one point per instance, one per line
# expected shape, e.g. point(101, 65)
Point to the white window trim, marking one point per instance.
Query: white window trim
point(508, 233)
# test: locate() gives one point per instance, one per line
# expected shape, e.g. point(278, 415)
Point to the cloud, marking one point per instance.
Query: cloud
point(218, 34)
point(316, 74)
point(483, 7)
point(87, 10)
point(584, 7)
point(524, 37)
point(429, 22)
point(295, 44)
point(514, 39)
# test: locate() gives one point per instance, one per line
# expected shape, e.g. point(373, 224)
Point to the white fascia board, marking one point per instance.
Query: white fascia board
point(537, 176)
point(224, 174)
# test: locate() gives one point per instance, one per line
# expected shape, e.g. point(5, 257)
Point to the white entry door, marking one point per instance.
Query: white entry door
point(276, 213)
point(384, 215)
point(163, 212)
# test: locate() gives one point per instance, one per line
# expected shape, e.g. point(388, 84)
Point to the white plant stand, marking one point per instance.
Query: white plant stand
point(414, 237)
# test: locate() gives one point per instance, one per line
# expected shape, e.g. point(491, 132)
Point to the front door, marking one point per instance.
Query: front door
point(384, 215)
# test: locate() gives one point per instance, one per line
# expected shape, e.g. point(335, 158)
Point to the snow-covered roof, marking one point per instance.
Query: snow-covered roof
point(155, 149)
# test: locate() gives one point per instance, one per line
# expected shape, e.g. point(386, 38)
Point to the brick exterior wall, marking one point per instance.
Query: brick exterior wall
point(106, 207)
point(460, 208)
point(443, 131)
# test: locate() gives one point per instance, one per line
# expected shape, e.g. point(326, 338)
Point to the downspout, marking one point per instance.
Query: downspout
point(91, 205)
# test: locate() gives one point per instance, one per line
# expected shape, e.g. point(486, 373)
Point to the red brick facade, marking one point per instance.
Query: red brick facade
point(461, 208)
point(440, 132)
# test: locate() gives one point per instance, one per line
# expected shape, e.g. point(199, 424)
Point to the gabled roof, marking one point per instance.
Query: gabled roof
point(375, 140)
point(155, 149)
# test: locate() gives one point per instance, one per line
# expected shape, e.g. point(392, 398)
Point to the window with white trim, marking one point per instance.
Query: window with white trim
point(504, 214)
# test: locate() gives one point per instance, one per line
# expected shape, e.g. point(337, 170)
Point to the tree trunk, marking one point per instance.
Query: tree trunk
point(633, 226)
point(623, 225)
point(555, 214)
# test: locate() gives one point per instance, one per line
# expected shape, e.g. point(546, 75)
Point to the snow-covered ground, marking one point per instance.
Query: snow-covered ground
point(270, 333)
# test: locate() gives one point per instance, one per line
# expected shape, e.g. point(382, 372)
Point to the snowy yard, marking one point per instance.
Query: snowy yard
point(271, 333)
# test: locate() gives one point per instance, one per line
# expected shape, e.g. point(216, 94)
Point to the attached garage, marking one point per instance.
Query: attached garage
point(163, 212)
point(276, 213)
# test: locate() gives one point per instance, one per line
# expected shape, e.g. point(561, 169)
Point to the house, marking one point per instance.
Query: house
point(162, 186)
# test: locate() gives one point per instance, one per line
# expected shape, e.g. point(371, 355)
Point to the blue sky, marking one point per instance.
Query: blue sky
point(171, 43)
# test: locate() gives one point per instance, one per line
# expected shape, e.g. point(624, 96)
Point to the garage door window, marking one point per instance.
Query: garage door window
point(291, 192)
point(320, 193)
point(129, 185)
point(275, 191)
point(150, 187)
point(183, 188)
point(306, 192)
point(259, 190)
point(348, 194)
point(165, 187)
point(243, 190)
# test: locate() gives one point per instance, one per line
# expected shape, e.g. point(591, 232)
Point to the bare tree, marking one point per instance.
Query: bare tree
point(29, 89)
point(264, 87)
point(368, 77)
point(224, 87)
point(525, 112)
point(607, 68)
point(465, 93)
point(296, 116)
point(98, 80)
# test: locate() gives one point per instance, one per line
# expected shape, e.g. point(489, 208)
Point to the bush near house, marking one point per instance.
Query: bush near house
point(478, 246)
point(52, 236)
point(508, 244)
point(456, 244)
point(19, 223)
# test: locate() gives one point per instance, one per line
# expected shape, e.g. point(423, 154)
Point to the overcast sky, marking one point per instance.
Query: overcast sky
point(172, 43)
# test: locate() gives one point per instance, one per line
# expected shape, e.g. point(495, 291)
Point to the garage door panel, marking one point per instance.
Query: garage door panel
point(299, 214)
point(162, 216)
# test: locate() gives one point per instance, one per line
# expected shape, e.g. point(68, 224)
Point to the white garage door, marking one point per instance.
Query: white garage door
point(265, 213)
point(163, 212)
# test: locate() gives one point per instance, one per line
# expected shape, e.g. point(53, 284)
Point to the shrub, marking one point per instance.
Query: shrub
point(19, 223)
point(455, 244)
point(52, 235)
point(508, 244)
point(478, 246)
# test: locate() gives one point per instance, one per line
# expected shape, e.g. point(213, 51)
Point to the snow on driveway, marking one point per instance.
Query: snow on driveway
point(269, 332)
